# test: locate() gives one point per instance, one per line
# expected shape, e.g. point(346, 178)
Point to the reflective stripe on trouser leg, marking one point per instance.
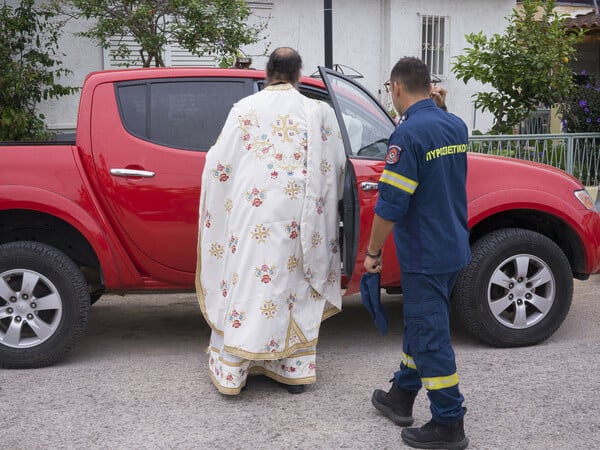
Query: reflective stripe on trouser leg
point(408, 377)
point(426, 344)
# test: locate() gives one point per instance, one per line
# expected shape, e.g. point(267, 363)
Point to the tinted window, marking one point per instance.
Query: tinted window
point(187, 114)
point(132, 103)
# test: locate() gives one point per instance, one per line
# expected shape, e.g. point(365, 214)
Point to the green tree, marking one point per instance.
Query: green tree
point(29, 69)
point(527, 66)
point(217, 27)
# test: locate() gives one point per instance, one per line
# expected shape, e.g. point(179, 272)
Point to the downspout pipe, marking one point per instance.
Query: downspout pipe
point(328, 16)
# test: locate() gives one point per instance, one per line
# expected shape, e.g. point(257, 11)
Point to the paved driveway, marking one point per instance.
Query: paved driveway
point(139, 380)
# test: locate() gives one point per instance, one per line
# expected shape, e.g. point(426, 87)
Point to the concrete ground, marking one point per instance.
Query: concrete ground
point(139, 380)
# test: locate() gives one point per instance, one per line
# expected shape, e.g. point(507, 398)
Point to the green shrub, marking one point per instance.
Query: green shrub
point(29, 70)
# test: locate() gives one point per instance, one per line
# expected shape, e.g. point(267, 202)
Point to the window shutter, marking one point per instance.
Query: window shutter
point(174, 55)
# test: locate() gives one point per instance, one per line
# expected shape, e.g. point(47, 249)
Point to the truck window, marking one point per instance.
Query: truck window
point(180, 113)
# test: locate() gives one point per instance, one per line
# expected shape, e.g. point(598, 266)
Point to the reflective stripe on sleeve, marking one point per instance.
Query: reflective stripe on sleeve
point(398, 181)
point(435, 383)
point(408, 361)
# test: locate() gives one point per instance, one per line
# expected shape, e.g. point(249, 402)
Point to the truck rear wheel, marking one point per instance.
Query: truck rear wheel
point(516, 291)
point(44, 305)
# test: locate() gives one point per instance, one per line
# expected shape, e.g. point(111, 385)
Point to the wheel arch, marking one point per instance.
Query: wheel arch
point(29, 225)
point(541, 222)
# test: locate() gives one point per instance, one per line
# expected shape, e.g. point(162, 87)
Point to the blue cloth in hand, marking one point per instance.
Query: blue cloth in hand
point(370, 293)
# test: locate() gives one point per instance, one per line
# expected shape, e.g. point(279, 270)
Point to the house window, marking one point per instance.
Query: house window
point(434, 43)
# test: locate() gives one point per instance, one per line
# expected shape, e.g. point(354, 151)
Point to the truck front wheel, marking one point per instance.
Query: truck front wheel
point(44, 305)
point(516, 291)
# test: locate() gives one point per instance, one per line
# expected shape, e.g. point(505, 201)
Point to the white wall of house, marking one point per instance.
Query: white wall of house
point(368, 35)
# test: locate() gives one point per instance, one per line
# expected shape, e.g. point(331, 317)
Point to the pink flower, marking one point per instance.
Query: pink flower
point(224, 292)
point(229, 377)
point(236, 324)
point(266, 279)
point(278, 156)
point(297, 156)
point(293, 234)
point(274, 174)
point(223, 177)
point(256, 202)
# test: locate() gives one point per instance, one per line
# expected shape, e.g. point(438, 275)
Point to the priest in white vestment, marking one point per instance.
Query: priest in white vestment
point(268, 265)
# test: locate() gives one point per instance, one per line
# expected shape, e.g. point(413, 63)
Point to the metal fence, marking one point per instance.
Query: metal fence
point(577, 153)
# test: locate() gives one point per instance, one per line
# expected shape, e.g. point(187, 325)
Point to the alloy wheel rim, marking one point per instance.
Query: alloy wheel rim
point(30, 308)
point(521, 291)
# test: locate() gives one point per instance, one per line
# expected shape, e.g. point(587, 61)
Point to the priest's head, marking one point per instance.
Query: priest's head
point(284, 66)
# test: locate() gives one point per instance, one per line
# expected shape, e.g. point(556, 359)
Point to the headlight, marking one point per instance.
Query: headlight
point(585, 199)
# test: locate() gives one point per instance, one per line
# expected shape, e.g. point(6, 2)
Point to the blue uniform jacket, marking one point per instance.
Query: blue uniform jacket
point(423, 191)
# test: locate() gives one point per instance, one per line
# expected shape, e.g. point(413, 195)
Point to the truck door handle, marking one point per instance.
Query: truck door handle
point(131, 173)
point(368, 186)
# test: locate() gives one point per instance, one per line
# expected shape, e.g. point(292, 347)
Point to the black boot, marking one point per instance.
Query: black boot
point(397, 404)
point(437, 435)
point(295, 388)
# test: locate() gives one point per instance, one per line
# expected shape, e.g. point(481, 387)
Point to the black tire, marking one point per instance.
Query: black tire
point(44, 305)
point(516, 291)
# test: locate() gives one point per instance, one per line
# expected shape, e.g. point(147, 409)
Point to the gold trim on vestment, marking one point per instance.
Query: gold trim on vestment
point(235, 364)
point(222, 389)
point(279, 378)
point(294, 328)
point(262, 371)
point(279, 87)
point(331, 311)
point(267, 356)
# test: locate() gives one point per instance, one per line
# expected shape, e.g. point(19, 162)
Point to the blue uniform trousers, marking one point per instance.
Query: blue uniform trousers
point(428, 357)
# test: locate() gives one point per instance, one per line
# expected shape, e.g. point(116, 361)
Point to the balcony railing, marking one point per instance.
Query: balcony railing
point(577, 153)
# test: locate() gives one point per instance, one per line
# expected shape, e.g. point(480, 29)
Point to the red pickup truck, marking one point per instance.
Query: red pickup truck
point(116, 211)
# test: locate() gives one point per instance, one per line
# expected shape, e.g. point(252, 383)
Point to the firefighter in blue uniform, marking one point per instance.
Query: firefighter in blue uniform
point(422, 198)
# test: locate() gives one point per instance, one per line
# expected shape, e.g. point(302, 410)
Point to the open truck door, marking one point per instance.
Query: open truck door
point(366, 128)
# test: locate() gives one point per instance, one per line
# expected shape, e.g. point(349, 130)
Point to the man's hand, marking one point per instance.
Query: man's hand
point(372, 265)
point(379, 232)
point(438, 94)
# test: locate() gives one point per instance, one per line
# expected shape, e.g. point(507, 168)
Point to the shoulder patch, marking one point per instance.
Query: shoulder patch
point(393, 154)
